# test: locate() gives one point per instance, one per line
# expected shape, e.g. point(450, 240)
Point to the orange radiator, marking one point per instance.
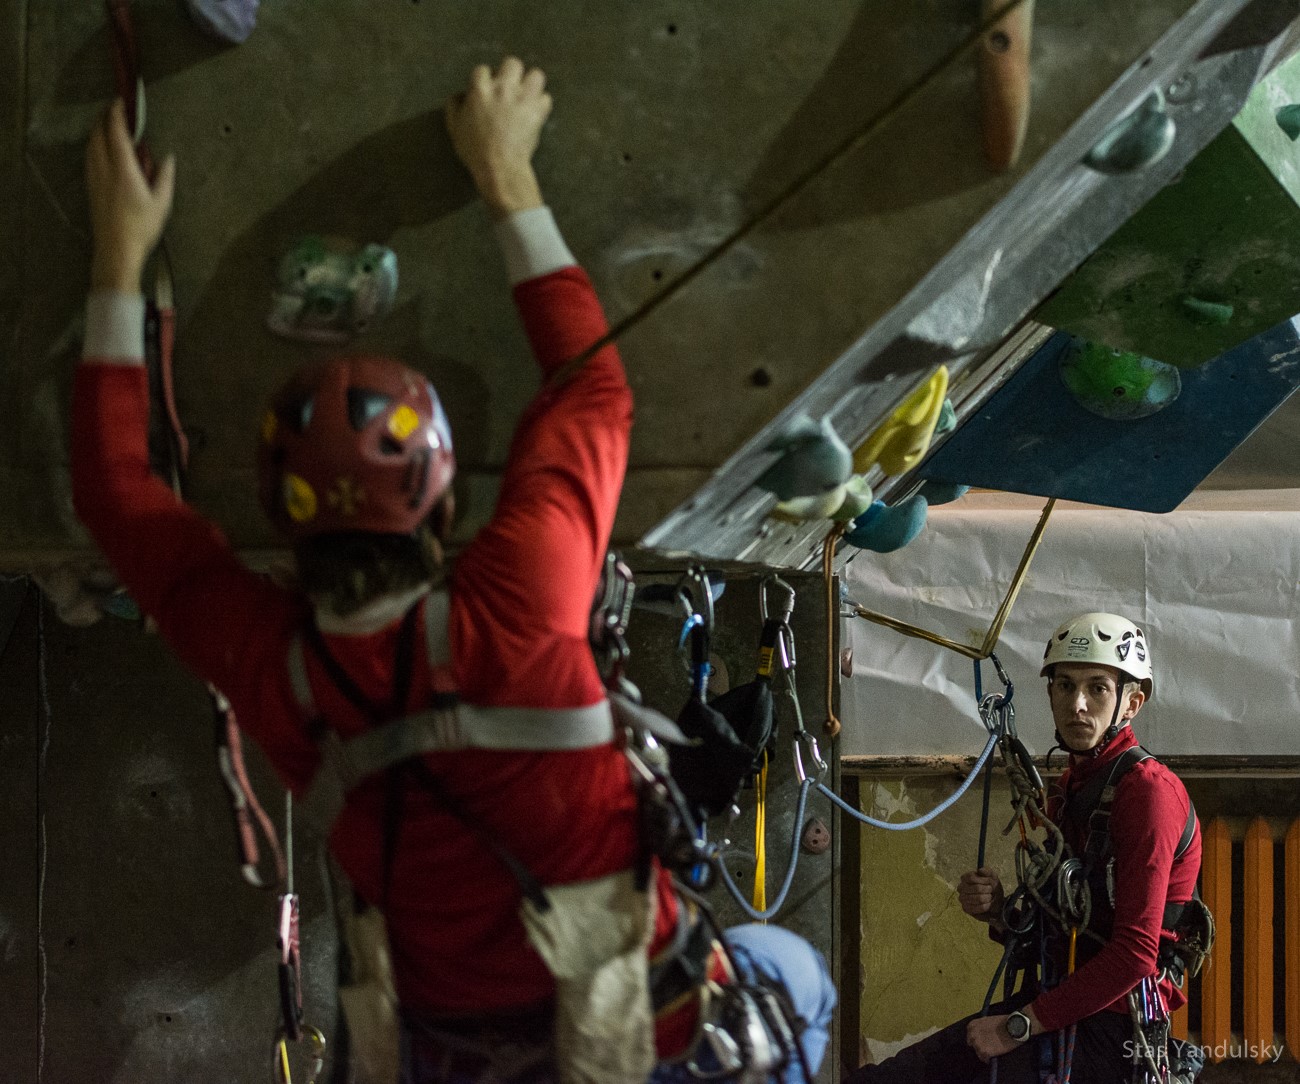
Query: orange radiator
point(1241, 1007)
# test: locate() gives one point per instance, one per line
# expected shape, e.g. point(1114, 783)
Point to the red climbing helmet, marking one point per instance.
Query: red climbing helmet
point(354, 444)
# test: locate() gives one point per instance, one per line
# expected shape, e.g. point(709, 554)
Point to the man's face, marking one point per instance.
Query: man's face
point(1083, 702)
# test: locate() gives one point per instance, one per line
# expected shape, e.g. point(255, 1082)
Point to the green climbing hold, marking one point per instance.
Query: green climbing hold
point(1116, 384)
point(1288, 119)
point(1208, 312)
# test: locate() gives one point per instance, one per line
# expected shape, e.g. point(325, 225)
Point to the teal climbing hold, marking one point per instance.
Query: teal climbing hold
point(947, 419)
point(814, 459)
point(883, 528)
point(1288, 119)
point(1117, 384)
point(936, 492)
point(1136, 141)
point(1208, 312)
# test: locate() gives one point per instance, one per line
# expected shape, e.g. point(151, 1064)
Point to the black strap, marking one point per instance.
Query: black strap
point(1101, 790)
point(414, 768)
point(404, 666)
point(528, 884)
point(1096, 797)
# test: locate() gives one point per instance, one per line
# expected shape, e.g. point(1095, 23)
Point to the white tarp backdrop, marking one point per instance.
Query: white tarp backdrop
point(1214, 584)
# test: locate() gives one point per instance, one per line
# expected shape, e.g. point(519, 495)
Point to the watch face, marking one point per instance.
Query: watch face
point(1018, 1026)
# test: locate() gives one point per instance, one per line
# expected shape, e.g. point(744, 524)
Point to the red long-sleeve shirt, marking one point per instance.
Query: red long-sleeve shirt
point(1147, 820)
point(520, 595)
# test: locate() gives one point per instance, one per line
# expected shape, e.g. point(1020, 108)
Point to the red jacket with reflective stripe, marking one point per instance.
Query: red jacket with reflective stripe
point(520, 596)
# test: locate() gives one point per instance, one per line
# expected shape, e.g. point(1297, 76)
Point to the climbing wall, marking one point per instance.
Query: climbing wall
point(825, 160)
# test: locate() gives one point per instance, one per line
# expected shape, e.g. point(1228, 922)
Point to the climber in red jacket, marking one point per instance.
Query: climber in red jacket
point(507, 745)
point(1141, 872)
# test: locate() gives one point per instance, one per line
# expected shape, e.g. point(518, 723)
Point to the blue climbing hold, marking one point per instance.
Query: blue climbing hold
point(936, 492)
point(883, 528)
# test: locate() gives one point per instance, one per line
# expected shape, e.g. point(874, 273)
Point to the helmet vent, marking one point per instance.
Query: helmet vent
point(389, 446)
point(364, 406)
point(297, 413)
point(1103, 635)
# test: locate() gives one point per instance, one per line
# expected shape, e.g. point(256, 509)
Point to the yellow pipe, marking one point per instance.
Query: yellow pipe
point(995, 629)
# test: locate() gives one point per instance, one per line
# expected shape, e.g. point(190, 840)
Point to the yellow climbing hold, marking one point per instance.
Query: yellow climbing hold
point(269, 426)
point(403, 422)
point(299, 499)
point(899, 443)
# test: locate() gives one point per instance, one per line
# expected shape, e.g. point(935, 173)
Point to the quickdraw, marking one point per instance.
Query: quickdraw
point(777, 651)
point(250, 817)
point(293, 1028)
point(666, 825)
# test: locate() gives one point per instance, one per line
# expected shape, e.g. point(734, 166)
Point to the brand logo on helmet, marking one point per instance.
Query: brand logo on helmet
point(346, 495)
point(1080, 641)
point(1140, 650)
point(299, 499)
point(403, 422)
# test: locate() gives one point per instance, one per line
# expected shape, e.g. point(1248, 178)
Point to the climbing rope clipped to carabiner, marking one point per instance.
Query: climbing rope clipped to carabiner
point(777, 647)
point(990, 722)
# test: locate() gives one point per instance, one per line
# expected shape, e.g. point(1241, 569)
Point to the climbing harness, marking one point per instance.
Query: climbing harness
point(1054, 884)
point(293, 1028)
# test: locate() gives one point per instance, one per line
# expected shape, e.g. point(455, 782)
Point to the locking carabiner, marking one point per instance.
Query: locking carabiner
point(803, 737)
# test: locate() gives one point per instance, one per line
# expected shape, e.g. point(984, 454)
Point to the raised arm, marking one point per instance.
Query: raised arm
point(539, 557)
point(212, 611)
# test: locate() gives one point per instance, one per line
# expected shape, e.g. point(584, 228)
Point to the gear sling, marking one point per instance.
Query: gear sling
point(592, 935)
point(1191, 923)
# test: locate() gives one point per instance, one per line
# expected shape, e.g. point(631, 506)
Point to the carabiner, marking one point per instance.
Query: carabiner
point(280, 1059)
point(289, 943)
point(814, 751)
point(782, 614)
point(696, 582)
point(1002, 677)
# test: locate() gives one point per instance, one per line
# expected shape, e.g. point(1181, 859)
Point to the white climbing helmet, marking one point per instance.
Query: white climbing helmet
point(1106, 639)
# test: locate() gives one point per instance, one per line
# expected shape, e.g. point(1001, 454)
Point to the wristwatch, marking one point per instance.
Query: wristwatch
point(1018, 1026)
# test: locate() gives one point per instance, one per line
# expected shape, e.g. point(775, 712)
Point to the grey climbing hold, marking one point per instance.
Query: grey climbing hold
point(1136, 141)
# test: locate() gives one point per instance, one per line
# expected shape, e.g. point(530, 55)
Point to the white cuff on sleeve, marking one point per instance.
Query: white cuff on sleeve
point(531, 244)
point(114, 328)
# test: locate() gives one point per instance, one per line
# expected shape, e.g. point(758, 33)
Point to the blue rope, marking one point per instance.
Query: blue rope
point(940, 808)
point(736, 894)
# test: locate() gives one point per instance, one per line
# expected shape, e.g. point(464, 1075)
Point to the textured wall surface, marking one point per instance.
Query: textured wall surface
point(131, 950)
point(675, 127)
